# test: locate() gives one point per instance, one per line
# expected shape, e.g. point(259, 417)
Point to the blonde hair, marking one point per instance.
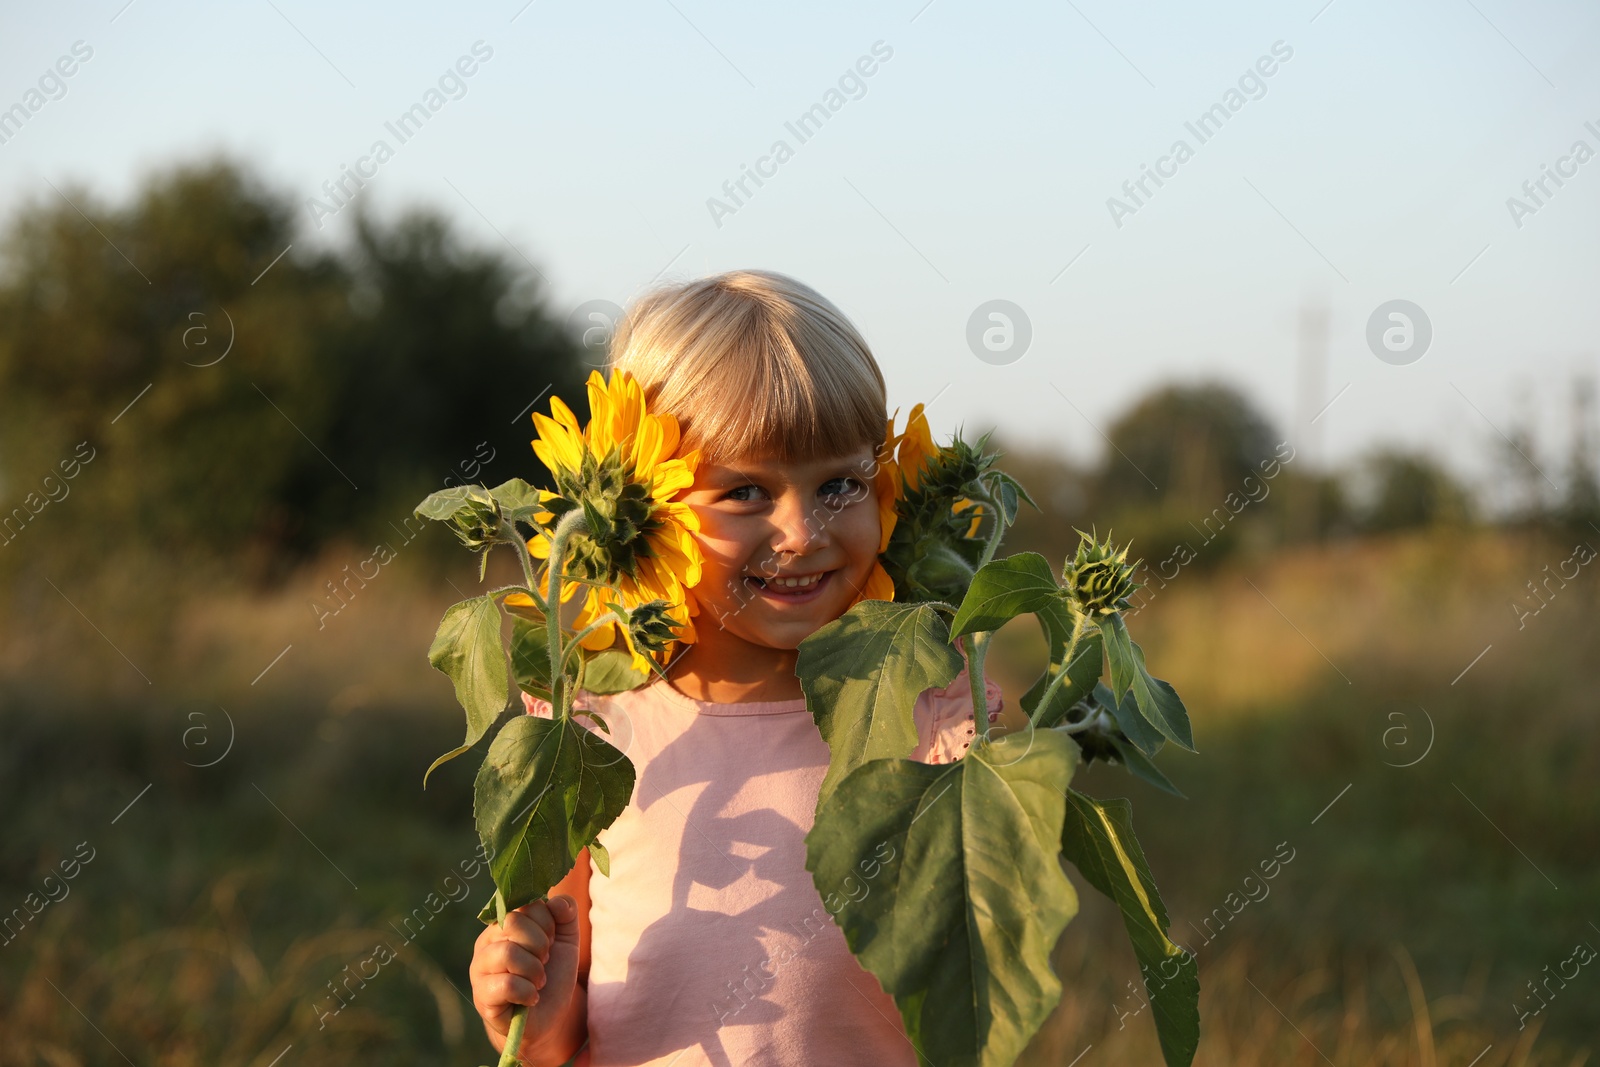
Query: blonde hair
point(754, 363)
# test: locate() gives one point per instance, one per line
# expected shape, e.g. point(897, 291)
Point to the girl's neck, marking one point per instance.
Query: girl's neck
point(723, 669)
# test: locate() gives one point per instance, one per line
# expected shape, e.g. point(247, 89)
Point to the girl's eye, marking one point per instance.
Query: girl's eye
point(843, 487)
point(733, 494)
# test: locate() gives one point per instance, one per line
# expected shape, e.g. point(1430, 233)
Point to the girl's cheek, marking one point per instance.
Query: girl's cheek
point(724, 567)
point(865, 535)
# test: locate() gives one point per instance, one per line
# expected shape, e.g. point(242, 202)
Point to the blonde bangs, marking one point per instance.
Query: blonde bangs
point(754, 364)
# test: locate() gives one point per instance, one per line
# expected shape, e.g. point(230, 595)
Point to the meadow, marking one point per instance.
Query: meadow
point(1412, 758)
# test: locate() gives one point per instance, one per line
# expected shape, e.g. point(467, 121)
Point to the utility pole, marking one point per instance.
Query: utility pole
point(1311, 384)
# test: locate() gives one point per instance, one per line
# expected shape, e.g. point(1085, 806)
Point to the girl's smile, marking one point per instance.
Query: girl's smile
point(788, 589)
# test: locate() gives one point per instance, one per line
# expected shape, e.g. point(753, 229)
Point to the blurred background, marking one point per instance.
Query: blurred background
point(1329, 366)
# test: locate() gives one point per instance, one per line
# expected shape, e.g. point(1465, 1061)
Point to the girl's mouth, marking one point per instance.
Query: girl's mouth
point(782, 591)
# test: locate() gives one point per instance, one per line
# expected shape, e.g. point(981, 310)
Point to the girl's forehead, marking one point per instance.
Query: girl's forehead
point(861, 460)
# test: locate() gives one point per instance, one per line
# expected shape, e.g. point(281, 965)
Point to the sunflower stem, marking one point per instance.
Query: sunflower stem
point(1097, 717)
point(572, 522)
point(519, 1014)
point(527, 566)
point(1061, 675)
point(577, 638)
point(995, 534)
point(977, 648)
point(519, 1023)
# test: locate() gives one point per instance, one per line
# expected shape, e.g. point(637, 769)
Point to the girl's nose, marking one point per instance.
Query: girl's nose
point(800, 530)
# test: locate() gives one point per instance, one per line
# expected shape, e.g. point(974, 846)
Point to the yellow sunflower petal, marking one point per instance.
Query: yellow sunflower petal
point(879, 586)
point(602, 638)
point(564, 415)
point(916, 447)
point(887, 485)
point(557, 447)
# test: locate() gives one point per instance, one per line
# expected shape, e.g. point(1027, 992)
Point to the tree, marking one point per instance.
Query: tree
point(237, 392)
point(1399, 490)
point(435, 320)
point(1060, 488)
point(1173, 460)
point(138, 330)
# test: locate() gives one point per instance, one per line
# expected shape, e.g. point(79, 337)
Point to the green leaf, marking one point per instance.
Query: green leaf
point(610, 670)
point(602, 858)
point(1097, 836)
point(862, 674)
point(518, 500)
point(1157, 701)
point(1087, 663)
point(1126, 713)
point(1002, 590)
point(443, 505)
point(467, 648)
point(545, 790)
point(530, 656)
point(1140, 766)
point(966, 896)
point(1015, 489)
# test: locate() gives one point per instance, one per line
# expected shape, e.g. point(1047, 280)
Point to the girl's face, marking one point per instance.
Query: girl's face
point(787, 547)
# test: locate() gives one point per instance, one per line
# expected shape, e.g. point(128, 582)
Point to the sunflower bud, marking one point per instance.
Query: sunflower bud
point(942, 572)
point(651, 626)
point(1099, 580)
point(477, 522)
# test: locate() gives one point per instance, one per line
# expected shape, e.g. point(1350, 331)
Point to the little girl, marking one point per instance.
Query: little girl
point(709, 943)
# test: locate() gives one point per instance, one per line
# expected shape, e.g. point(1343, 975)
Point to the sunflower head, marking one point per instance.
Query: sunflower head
point(619, 514)
point(636, 543)
point(1099, 579)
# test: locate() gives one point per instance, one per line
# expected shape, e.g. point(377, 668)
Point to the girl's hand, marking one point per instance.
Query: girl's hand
point(533, 960)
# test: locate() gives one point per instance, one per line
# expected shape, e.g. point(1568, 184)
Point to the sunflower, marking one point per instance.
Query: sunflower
point(939, 489)
point(637, 545)
point(915, 447)
point(886, 484)
point(916, 451)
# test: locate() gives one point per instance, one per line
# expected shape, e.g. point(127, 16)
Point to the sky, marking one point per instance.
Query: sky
point(1357, 154)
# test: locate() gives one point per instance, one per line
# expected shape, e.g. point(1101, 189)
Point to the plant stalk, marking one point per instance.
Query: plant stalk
point(577, 638)
point(527, 566)
point(1061, 675)
point(994, 534)
point(977, 649)
point(519, 1014)
point(1096, 717)
point(572, 521)
point(519, 1023)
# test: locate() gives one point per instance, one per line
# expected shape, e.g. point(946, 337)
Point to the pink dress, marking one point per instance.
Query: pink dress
point(709, 943)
